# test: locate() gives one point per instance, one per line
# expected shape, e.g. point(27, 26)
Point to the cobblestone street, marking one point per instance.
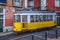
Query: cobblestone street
point(39, 35)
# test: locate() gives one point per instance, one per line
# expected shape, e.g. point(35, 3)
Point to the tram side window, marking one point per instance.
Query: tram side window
point(32, 18)
point(37, 18)
point(50, 17)
point(45, 18)
point(24, 18)
point(40, 18)
point(17, 18)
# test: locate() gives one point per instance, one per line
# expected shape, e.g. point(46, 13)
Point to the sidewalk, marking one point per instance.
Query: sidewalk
point(53, 38)
point(58, 26)
point(5, 33)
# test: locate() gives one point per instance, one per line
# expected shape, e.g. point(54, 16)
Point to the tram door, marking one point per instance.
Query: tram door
point(2, 23)
point(24, 21)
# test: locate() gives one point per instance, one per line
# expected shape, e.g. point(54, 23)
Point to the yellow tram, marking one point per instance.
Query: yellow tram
point(26, 21)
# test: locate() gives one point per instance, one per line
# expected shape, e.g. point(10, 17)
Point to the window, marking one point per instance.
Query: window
point(45, 17)
point(57, 3)
point(37, 18)
point(1, 10)
point(43, 4)
point(30, 3)
point(17, 2)
point(50, 17)
point(32, 18)
point(24, 18)
point(1, 16)
point(41, 18)
point(17, 18)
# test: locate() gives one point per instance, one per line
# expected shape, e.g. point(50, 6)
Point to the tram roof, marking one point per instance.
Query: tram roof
point(31, 10)
point(35, 12)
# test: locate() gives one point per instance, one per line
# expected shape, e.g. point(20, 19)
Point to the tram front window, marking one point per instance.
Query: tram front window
point(17, 18)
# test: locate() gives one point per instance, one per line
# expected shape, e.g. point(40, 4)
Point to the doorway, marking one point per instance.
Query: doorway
point(1, 19)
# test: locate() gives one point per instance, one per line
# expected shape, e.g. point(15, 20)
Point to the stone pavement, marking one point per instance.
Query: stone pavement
point(43, 38)
point(5, 33)
point(53, 38)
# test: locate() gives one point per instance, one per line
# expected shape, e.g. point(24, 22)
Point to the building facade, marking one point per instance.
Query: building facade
point(7, 8)
point(6, 15)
